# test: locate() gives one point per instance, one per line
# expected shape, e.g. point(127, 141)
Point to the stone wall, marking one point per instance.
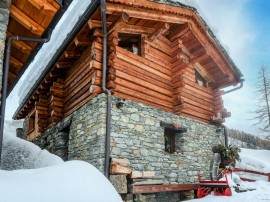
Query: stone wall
point(4, 16)
point(136, 135)
point(83, 139)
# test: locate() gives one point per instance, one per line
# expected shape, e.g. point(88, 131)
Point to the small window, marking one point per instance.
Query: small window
point(169, 136)
point(130, 42)
point(31, 125)
point(199, 79)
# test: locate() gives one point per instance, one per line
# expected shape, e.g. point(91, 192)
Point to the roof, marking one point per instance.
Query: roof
point(29, 18)
point(178, 4)
point(84, 18)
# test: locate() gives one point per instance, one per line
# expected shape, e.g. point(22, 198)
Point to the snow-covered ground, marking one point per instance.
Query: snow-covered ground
point(71, 181)
point(39, 176)
point(256, 160)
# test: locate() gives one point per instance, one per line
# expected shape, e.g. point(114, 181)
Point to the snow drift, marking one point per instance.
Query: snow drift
point(71, 181)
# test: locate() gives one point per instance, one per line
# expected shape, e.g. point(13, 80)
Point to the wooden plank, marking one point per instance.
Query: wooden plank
point(141, 97)
point(44, 6)
point(160, 31)
point(163, 188)
point(25, 21)
point(143, 83)
point(118, 169)
point(130, 85)
point(143, 63)
point(133, 71)
point(118, 24)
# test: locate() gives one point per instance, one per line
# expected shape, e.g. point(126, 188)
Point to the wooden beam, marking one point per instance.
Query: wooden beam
point(93, 24)
point(72, 54)
point(144, 14)
point(15, 63)
point(160, 31)
point(118, 24)
point(20, 45)
point(163, 188)
point(25, 21)
point(44, 6)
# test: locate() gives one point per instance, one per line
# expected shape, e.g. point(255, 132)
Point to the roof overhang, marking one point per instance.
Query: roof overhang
point(30, 18)
point(184, 19)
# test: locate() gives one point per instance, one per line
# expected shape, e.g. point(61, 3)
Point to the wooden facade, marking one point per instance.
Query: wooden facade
point(159, 55)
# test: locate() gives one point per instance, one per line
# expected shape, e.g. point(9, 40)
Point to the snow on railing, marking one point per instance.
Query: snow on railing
point(252, 172)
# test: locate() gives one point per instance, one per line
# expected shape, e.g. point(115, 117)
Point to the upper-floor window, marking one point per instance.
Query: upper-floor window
point(199, 79)
point(130, 42)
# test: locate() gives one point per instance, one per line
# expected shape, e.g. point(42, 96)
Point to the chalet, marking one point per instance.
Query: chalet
point(138, 80)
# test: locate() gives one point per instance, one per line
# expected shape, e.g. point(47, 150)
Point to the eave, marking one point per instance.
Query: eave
point(216, 60)
point(30, 18)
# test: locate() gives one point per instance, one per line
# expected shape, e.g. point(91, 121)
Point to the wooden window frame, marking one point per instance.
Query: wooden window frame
point(200, 80)
point(137, 36)
point(32, 122)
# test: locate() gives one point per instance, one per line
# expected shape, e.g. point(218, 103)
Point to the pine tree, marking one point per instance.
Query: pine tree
point(262, 112)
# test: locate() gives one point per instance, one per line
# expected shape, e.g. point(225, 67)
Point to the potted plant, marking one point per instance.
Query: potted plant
point(228, 154)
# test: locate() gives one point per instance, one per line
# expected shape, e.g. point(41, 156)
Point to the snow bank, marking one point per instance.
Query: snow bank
point(71, 181)
point(257, 160)
point(21, 154)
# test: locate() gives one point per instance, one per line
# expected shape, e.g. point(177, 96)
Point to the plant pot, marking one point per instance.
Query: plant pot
point(227, 162)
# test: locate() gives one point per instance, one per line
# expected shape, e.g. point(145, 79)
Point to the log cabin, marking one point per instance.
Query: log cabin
point(158, 95)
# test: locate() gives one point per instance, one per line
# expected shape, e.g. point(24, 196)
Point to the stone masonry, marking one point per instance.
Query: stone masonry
point(136, 135)
point(4, 16)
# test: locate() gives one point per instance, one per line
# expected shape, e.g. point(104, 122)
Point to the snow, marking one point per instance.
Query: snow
point(38, 175)
point(69, 182)
point(256, 160)
point(21, 154)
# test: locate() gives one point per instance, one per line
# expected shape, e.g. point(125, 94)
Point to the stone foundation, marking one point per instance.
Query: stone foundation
point(136, 135)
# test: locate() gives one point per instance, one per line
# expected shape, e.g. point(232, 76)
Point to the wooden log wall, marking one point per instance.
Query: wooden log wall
point(145, 79)
point(190, 99)
point(164, 77)
point(83, 80)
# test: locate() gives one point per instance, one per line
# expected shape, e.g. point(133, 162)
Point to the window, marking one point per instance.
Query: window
point(31, 125)
point(172, 137)
point(169, 137)
point(130, 42)
point(199, 79)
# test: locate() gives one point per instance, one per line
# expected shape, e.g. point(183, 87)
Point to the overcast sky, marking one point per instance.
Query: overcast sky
point(243, 26)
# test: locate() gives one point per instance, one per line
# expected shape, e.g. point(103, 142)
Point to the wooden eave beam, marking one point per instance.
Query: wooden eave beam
point(144, 14)
point(180, 32)
point(204, 73)
point(25, 21)
point(72, 54)
point(15, 63)
point(118, 24)
point(160, 31)
point(82, 41)
point(44, 6)
point(93, 24)
point(208, 47)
